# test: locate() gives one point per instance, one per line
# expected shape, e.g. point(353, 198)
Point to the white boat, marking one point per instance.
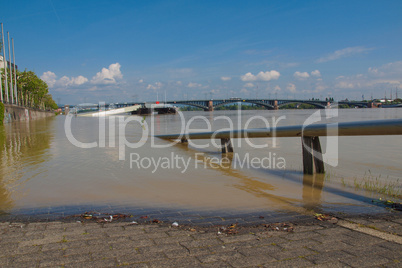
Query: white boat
point(108, 112)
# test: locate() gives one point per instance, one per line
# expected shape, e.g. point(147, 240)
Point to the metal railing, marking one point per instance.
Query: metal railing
point(311, 147)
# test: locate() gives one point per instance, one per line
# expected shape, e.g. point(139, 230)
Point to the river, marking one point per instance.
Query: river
point(41, 167)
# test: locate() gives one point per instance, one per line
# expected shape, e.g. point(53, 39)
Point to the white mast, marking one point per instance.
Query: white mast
point(15, 75)
point(5, 65)
point(11, 70)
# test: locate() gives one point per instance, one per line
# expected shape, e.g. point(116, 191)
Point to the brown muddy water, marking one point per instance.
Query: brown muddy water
point(40, 167)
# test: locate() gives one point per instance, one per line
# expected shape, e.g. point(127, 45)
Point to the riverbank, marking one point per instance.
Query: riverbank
point(342, 242)
point(14, 113)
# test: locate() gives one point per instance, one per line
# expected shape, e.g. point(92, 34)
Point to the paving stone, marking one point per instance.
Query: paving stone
point(298, 244)
point(8, 250)
point(138, 258)
point(366, 261)
point(27, 250)
point(201, 243)
point(291, 254)
point(297, 262)
point(328, 257)
point(332, 238)
point(302, 236)
point(25, 264)
point(6, 261)
point(105, 245)
point(334, 231)
point(182, 252)
point(217, 264)
point(160, 248)
point(76, 258)
point(183, 262)
point(110, 253)
point(171, 240)
point(225, 256)
point(250, 260)
point(237, 238)
point(272, 250)
point(330, 246)
point(307, 228)
point(335, 264)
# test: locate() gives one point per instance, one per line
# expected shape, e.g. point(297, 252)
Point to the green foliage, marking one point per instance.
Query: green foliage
point(1, 113)
point(190, 108)
point(32, 91)
point(243, 107)
point(298, 106)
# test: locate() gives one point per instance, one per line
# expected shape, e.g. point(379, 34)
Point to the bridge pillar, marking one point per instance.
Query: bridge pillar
point(371, 105)
point(312, 155)
point(210, 106)
point(328, 105)
point(276, 107)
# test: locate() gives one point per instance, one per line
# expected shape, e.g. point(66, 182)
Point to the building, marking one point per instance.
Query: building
point(8, 64)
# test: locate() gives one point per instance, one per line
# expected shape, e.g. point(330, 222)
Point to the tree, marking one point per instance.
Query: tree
point(32, 91)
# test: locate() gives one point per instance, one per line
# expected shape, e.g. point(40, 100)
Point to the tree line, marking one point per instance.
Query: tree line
point(31, 90)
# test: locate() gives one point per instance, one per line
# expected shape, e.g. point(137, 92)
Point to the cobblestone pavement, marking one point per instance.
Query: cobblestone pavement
point(354, 242)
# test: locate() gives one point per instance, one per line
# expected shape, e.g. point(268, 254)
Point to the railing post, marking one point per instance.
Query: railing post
point(226, 146)
point(307, 155)
point(312, 155)
point(317, 154)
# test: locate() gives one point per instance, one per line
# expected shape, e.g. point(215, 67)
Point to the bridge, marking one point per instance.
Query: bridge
point(269, 104)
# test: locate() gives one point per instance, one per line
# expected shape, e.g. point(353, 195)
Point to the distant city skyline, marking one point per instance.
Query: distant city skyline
point(120, 51)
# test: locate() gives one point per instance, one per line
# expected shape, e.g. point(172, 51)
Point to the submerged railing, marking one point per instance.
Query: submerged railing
point(311, 147)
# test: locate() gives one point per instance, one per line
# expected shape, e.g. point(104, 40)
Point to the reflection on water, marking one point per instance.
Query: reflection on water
point(40, 167)
point(24, 147)
point(312, 190)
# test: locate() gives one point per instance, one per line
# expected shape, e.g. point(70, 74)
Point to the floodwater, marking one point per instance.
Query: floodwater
point(41, 167)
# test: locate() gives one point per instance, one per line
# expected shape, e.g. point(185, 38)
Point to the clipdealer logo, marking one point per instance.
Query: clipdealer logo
point(119, 139)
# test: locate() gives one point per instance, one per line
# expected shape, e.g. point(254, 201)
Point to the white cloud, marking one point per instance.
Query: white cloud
point(51, 79)
point(155, 86)
point(141, 81)
point(392, 68)
point(268, 75)
point(192, 85)
point(79, 80)
point(291, 87)
point(109, 75)
point(179, 83)
point(248, 77)
point(261, 76)
point(343, 53)
point(277, 88)
point(316, 73)
point(387, 75)
point(249, 85)
point(301, 76)
point(225, 78)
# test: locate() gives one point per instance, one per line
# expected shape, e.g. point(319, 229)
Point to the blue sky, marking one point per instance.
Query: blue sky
point(90, 51)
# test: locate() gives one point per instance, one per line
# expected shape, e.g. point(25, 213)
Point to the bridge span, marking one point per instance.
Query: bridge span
point(269, 104)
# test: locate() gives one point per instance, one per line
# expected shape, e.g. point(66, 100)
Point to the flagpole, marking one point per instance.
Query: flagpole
point(5, 65)
point(15, 75)
point(11, 70)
